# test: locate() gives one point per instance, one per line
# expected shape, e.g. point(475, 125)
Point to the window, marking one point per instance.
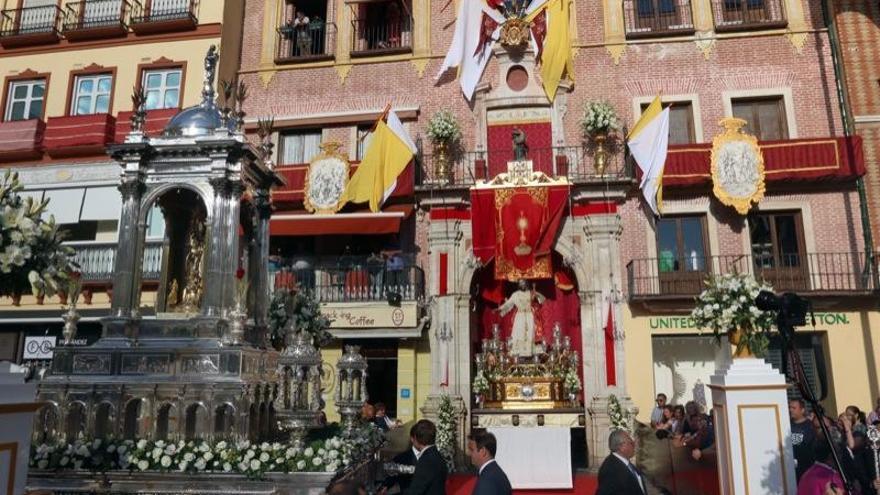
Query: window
point(646, 8)
point(25, 100)
point(681, 122)
point(162, 88)
point(777, 249)
point(765, 116)
point(300, 146)
point(383, 26)
point(37, 16)
point(364, 135)
point(92, 94)
point(681, 244)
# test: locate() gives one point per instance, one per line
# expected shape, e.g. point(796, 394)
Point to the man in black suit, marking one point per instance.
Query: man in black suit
point(408, 457)
point(430, 475)
point(619, 476)
point(491, 480)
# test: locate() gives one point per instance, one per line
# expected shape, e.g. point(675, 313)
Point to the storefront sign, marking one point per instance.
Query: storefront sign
point(370, 315)
point(39, 347)
point(686, 322)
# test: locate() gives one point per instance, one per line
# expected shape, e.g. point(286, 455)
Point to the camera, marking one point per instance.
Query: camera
point(791, 309)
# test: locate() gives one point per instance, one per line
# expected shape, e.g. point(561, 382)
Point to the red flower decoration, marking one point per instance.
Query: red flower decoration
point(239, 274)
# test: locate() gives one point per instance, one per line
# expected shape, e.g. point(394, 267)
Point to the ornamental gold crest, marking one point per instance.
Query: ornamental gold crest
point(737, 167)
point(515, 32)
point(326, 180)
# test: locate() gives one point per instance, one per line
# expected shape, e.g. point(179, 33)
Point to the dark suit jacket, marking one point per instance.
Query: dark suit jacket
point(616, 479)
point(407, 457)
point(492, 481)
point(430, 475)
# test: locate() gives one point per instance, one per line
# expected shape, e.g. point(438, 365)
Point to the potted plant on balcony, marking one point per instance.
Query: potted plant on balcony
point(599, 120)
point(444, 132)
point(727, 306)
point(32, 258)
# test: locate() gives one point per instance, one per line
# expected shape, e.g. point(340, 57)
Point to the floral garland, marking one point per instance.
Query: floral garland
point(443, 127)
point(32, 258)
point(250, 459)
point(306, 312)
point(446, 431)
point(599, 117)
point(618, 416)
point(728, 303)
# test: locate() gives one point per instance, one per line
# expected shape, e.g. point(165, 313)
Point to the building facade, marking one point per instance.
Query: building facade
point(69, 71)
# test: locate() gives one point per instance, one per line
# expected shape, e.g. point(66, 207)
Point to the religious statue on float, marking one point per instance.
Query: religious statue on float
point(526, 301)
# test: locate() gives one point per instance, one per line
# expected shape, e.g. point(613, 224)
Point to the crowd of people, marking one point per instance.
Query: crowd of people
point(815, 466)
point(688, 425)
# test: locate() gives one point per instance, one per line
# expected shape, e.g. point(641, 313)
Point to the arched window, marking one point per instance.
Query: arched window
point(75, 426)
point(132, 418)
point(194, 420)
point(224, 421)
point(46, 427)
point(104, 420)
point(253, 423)
point(163, 421)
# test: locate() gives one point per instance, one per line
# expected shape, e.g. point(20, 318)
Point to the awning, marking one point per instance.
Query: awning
point(366, 223)
point(65, 204)
point(101, 203)
point(36, 195)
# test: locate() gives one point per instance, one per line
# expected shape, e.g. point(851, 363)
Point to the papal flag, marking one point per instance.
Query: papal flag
point(389, 152)
point(556, 59)
point(469, 50)
point(648, 142)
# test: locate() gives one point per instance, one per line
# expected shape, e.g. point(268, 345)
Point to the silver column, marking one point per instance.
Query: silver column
point(127, 267)
point(212, 304)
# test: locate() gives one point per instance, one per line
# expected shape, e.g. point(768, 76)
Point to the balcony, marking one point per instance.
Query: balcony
point(311, 43)
point(94, 19)
point(153, 125)
point(21, 139)
point(96, 261)
point(30, 26)
point(78, 135)
point(656, 18)
point(741, 15)
point(381, 37)
point(159, 16)
point(822, 274)
point(465, 169)
point(351, 278)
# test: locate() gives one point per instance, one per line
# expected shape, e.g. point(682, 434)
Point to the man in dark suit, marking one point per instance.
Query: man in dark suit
point(619, 476)
point(408, 457)
point(491, 480)
point(430, 475)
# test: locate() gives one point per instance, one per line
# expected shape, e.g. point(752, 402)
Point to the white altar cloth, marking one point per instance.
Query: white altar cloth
point(535, 458)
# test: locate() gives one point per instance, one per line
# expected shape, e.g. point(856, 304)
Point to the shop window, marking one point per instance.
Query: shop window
point(681, 122)
point(300, 146)
point(25, 99)
point(765, 116)
point(162, 88)
point(682, 250)
point(91, 94)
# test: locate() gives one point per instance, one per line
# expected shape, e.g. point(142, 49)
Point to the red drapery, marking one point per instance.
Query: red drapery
point(539, 137)
point(518, 227)
point(791, 160)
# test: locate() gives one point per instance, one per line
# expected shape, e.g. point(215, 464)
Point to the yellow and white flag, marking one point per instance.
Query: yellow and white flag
point(556, 60)
point(389, 152)
point(649, 142)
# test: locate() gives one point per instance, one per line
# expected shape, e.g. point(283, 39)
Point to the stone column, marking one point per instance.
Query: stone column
point(258, 256)
point(127, 268)
point(212, 299)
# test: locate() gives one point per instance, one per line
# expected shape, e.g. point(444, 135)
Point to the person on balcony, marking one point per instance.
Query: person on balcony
point(303, 35)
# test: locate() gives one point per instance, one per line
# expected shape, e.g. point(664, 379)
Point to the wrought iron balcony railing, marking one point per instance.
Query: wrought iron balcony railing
point(316, 41)
point(647, 18)
point(164, 15)
point(30, 25)
point(96, 260)
point(815, 273)
point(375, 37)
point(350, 278)
point(95, 18)
point(734, 15)
point(464, 169)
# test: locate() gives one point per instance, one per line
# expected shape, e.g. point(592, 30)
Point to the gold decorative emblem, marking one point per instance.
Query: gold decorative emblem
point(522, 223)
point(326, 180)
point(737, 167)
point(515, 32)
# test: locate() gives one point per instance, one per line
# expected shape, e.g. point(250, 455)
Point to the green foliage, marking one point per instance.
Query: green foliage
point(305, 311)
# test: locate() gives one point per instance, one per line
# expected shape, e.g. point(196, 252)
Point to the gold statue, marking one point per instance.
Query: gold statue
point(195, 254)
point(173, 295)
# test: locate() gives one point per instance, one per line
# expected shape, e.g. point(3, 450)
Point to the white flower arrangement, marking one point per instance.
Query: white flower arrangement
point(618, 416)
point(599, 117)
point(572, 381)
point(481, 383)
point(32, 258)
point(443, 127)
point(446, 431)
point(250, 459)
point(728, 304)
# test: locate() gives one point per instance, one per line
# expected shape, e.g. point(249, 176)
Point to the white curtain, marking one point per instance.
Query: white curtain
point(300, 147)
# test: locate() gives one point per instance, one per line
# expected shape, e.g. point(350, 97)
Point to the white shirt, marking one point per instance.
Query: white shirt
point(626, 463)
point(484, 466)
point(419, 453)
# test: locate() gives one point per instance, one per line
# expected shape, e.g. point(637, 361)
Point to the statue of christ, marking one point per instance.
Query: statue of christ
point(523, 331)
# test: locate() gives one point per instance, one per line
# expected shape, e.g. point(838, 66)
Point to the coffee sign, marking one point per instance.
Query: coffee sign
point(370, 315)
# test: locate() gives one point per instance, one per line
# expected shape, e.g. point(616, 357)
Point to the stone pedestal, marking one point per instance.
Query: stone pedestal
point(17, 407)
point(600, 427)
point(753, 436)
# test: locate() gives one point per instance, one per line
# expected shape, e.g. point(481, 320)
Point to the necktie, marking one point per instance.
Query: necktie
point(635, 473)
